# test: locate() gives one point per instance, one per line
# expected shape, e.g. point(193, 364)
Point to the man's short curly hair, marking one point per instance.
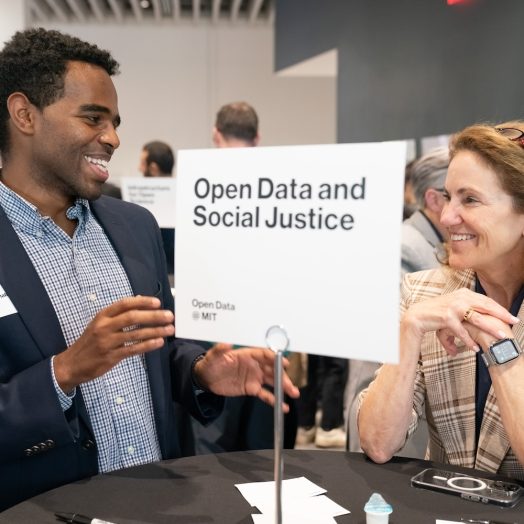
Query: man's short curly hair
point(34, 62)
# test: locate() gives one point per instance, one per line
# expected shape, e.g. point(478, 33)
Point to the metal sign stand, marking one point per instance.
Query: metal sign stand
point(278, 341)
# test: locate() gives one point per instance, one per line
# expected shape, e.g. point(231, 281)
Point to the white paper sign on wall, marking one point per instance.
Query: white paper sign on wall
point(307, 237)
point(157, 194)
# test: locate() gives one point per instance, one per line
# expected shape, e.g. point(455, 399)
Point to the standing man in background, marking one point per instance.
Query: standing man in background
point(157, 160)
point(245, 423)
point(236, 125)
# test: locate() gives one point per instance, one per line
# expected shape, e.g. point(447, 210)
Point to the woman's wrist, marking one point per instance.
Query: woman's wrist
point(410, 328)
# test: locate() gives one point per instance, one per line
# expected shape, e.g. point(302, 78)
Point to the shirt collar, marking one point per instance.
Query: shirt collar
point(26, 217)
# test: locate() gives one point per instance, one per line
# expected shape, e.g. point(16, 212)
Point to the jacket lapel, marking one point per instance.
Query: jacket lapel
point(25, 289)
point(452, 394)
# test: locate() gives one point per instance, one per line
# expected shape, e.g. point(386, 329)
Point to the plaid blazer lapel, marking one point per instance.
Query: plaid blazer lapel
point(450, 388)
point(518, 329)
point(493, 440)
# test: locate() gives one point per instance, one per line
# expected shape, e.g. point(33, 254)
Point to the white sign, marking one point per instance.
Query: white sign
point(157, 194)
point(306, 237)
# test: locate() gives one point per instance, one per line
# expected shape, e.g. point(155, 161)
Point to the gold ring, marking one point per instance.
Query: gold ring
point(468, 314)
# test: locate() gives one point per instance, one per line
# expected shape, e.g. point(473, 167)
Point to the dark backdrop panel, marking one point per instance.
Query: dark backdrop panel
point(305, 28)
point(408, 68)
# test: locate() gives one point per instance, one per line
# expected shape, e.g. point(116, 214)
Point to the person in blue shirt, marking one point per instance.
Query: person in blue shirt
point(90, 370)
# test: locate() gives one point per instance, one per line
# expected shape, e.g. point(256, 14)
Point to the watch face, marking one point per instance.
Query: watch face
point(504, 351)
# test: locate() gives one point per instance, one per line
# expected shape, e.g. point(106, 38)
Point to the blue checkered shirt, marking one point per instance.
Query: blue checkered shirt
point(82, 275)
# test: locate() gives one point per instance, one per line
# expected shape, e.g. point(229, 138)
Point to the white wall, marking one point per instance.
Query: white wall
point(12, 19)
point(174, 78)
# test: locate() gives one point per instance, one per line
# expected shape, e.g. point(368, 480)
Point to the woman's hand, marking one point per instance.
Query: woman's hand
point(450, 316)
point(484, 337)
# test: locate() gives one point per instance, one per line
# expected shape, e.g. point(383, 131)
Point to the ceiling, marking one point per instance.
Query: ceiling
point(151, 11)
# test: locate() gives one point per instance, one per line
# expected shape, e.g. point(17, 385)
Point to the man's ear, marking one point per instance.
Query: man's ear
point(22, 113)
point(218, 139)
point(433, 199)
point(154, 169)
point(256, 140)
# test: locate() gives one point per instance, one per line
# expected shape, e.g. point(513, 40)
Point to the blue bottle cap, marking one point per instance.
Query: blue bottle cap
point(377, 504)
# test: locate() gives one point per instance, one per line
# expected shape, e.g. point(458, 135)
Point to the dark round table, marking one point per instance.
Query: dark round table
point(202, 489)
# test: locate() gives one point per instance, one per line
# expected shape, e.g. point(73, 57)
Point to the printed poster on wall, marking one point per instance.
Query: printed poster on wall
point(157, 194)
point(304, 237)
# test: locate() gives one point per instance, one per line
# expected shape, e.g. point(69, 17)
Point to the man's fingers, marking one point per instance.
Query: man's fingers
point(137, 348)
point(143, 333)
point(266, 396)
point(221, 347)
point(289, 388)
point(129, 303)
point(136, 317)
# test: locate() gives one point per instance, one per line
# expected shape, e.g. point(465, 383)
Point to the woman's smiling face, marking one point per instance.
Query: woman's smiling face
point(485, 232)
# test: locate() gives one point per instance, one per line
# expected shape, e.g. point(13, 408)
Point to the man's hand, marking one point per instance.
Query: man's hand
point(244, 371)
point(130, 326)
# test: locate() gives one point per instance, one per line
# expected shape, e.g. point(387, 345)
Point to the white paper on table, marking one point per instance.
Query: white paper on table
point(291, 519)
point(320, 506)
point(259, 492)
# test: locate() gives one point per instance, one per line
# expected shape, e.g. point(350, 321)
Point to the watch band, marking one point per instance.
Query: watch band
point(488, 359)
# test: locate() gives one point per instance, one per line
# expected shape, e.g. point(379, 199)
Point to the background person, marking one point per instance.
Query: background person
point(410, 204)
point(324, 390)
point(236, 125)
point(89, 368)
point(421, 248)
point(245, 423)
point(454, 362)
point(158, 160)
point(422, 232)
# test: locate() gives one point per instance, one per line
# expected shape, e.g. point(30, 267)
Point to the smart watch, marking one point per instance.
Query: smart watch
point(501, 351)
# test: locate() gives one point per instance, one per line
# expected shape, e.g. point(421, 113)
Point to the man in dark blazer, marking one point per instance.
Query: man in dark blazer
point(89, 367)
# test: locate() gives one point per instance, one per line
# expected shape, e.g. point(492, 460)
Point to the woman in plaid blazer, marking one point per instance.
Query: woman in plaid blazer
point(473, 396)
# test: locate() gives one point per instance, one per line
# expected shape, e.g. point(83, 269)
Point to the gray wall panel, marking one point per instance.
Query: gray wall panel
point(412, 68)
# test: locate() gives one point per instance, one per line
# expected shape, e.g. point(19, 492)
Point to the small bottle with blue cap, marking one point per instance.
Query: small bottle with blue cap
point(377, 510)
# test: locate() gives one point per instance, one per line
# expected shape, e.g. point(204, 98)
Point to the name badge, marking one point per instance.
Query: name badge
point(6, 306)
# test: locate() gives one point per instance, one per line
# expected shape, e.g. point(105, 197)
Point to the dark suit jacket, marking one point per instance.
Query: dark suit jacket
point(42, 447)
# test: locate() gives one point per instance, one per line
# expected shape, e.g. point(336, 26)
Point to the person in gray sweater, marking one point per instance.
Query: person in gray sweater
point(422, 234)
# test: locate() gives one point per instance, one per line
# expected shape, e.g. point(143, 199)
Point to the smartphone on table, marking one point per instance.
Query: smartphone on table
point(500, 492)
